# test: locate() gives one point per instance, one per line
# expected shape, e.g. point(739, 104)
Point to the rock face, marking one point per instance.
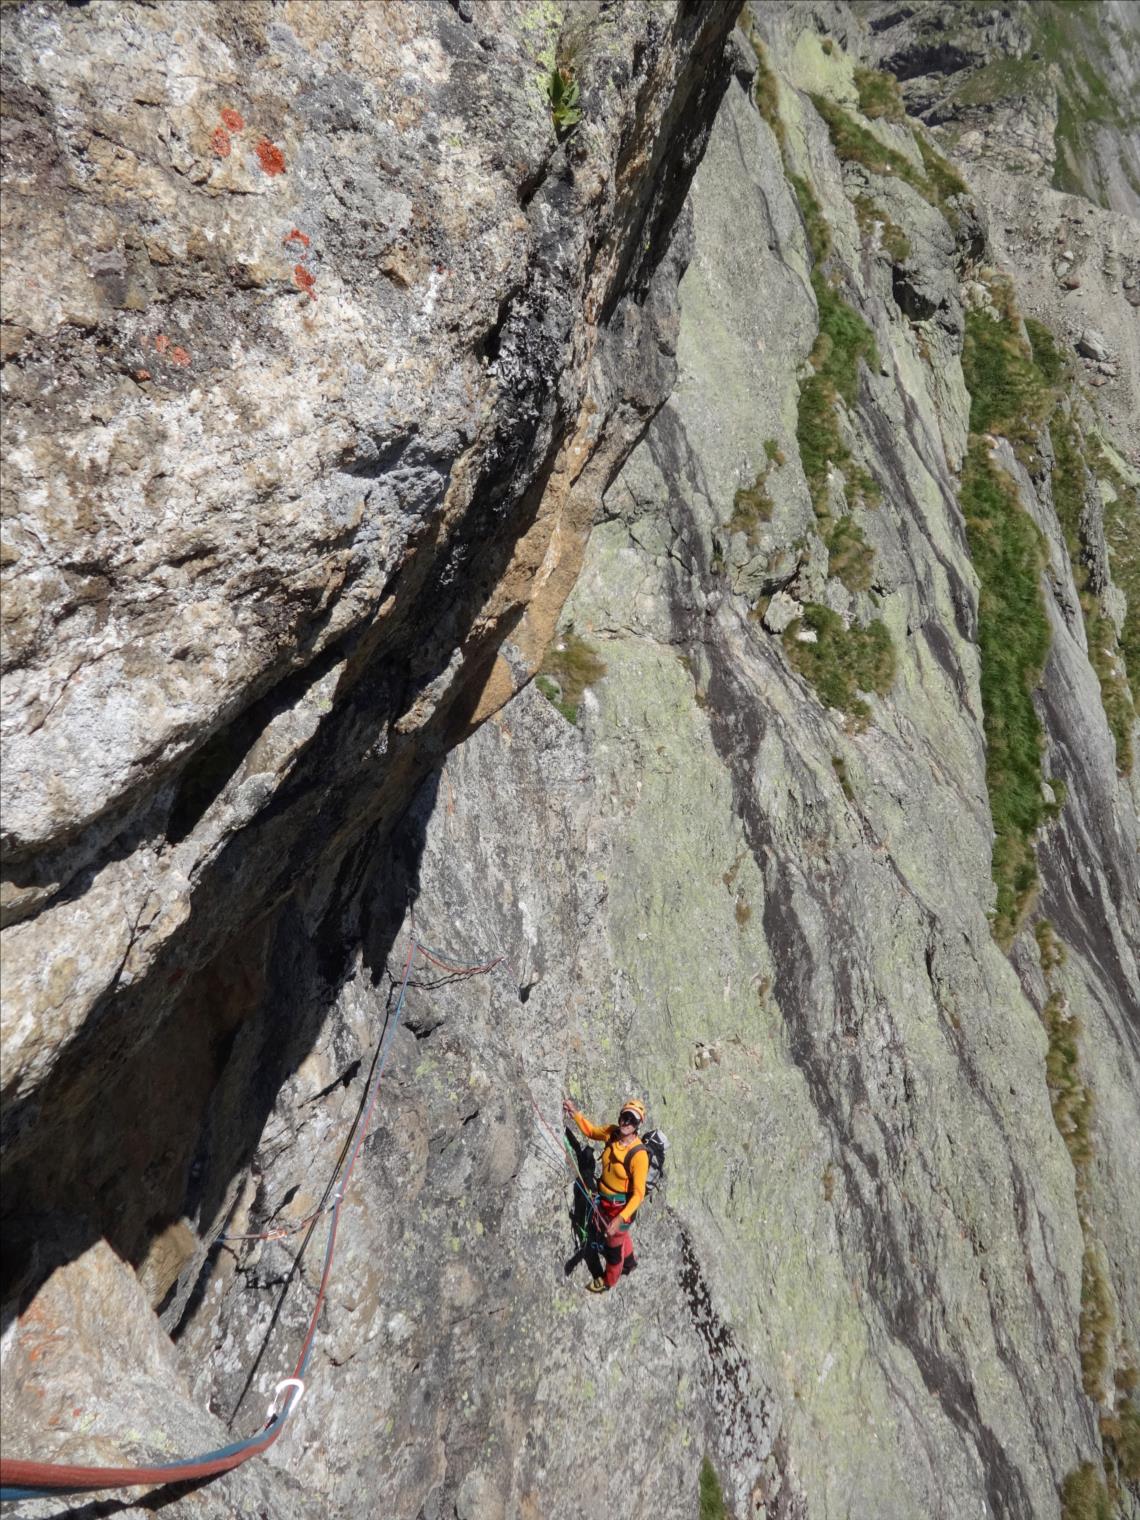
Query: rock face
point(1042, 89)
point(891, 1270)
point(254, 585)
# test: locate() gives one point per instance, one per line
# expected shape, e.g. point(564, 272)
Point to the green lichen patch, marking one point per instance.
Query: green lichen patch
point(842, 661)
point(570, 666)
point(1013, 637)
point(879, 95)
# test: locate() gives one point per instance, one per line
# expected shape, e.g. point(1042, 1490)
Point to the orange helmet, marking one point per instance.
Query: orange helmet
point(633, 1106)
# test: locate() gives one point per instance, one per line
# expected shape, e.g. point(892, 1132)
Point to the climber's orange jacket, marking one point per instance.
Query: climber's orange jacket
point(619, 1183)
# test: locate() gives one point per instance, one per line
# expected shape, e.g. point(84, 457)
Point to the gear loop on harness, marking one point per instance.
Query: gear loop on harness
point(275, 1408)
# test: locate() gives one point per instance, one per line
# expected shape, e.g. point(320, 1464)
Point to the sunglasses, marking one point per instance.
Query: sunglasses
point(629, 1119)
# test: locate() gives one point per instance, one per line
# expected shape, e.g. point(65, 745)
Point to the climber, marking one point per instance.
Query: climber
point(625, 1166)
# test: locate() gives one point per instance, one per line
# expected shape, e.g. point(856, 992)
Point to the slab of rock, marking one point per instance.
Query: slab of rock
point(1092, 345)
point(781, 612)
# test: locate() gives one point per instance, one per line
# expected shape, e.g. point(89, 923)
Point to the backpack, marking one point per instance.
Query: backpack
point(654, 1144)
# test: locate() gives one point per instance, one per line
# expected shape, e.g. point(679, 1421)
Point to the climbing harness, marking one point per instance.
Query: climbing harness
point(30, 1480)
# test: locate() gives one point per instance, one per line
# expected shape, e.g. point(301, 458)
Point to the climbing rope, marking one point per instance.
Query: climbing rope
point(566, 1154)
point(29, 1480)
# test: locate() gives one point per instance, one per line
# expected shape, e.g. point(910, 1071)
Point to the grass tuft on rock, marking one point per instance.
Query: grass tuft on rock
point(1008, 393)
point(710, 1494)
point(752, 506)
point(1071, 483)
point(841, 661)
point(879, 95)
point(1084, 1496)
point(766, 87)
point(894, 240)
point(850, 556)
point(815, 223)
point(937, 181)
point(1122, 532)
point(1047, 356)
point(843, 342)
point(1096, 1326)
point(570, 665)
point(1013, 636)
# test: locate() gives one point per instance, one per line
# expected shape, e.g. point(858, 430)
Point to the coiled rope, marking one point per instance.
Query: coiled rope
point(30, 1480)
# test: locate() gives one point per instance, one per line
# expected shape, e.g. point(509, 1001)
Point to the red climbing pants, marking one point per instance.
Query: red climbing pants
point(617, 1247)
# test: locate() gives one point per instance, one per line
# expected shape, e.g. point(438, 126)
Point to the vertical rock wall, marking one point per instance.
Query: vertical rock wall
point(865, 1288)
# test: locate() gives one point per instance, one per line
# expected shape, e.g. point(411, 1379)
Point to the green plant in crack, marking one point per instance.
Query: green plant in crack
point(765, 86)
point(570, 666)
point(1122, 533)
point(1084, 1496)
point(1069, 1097)
point(894, 240)
point(937, 181)
point(1013, 639)
point(1008, 393)
point(1070, 484)
point(563, 94)
point(1048, 358)
point(841, 661)
point(711, 1504)
point(751, 507)
point(1084, 1493)
point(839, 766)
point(879, 95)
point(843, 342)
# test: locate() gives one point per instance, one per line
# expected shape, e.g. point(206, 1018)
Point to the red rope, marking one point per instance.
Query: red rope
point(50, 1476)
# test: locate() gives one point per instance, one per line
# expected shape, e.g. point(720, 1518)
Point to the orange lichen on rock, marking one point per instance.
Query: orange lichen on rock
point(162, 343)
point(270, 157)
point(234, 120)
point(220, 143)
point(179, 356)
point(304, 281)
point(296, 237)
